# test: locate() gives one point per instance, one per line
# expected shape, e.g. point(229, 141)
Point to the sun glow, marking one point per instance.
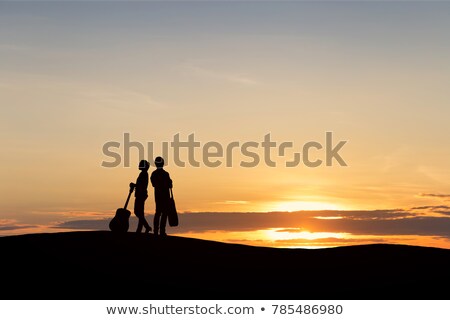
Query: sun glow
point(276, 237)
point(280, 234)
point(304, 205)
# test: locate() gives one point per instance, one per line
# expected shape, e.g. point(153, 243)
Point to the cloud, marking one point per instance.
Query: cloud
point(11, 47)
point(122, 99)
point(434, 173)
point(94, 224)
point(430, 210)
point(10, 224)
point(375, 223)
point(232, 202)
point(291, 230)
point(237, 78)
point(435, 195)
point(14, 227)
point(84, 214)
point(364, 215)
point(430, 207)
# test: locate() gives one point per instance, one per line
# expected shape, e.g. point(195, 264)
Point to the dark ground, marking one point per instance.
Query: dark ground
point(101, 265)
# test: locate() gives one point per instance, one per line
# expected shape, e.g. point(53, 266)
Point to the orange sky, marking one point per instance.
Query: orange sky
point(77, 76)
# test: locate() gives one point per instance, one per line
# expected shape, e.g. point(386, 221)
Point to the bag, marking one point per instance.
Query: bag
point(172, 214)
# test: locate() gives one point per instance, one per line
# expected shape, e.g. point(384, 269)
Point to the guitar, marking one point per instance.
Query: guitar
point(120, 222)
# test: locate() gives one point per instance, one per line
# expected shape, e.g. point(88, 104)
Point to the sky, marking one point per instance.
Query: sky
point(77, 75)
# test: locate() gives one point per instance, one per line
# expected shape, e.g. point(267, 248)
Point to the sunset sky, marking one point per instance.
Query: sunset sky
point(76, 75)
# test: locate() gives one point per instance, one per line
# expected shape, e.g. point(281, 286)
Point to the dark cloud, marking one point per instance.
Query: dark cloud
point(15, 227)
point(10, 224)
point(435, 195)
point(435, 209)
point(377, 222)
point(367, 215)
point(291, 230)
point(431, 208)
point(97, 224)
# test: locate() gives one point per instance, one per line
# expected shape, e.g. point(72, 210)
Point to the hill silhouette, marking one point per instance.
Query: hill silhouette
point(103, 265)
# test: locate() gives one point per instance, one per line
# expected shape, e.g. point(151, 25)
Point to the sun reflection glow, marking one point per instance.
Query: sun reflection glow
point(304, 205)
point(279, 234)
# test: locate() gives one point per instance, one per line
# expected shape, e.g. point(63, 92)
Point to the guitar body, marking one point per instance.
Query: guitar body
point(121, 221)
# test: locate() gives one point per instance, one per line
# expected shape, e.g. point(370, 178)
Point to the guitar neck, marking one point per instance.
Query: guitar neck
point(128, 199)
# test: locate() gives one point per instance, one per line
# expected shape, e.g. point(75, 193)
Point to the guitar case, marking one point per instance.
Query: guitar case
point(172, 214)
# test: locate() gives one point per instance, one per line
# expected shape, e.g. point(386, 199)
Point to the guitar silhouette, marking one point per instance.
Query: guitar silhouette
point(120, 222)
